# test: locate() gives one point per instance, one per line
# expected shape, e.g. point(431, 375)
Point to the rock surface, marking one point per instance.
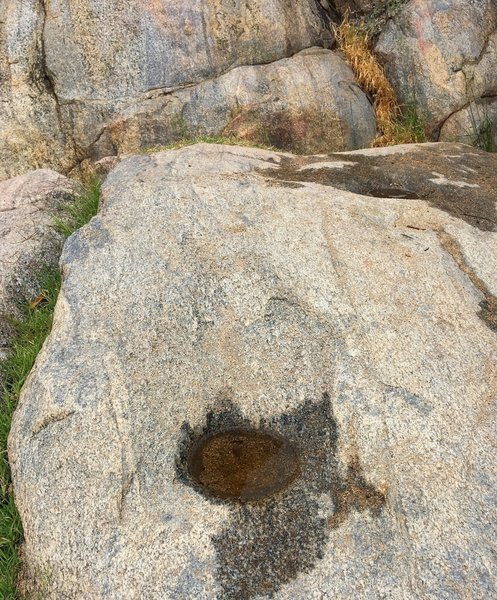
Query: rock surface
point(31, 133)
point(28, 241)
point(309, 102)
point(442, 56)
point(69, 68)
point(225, 287)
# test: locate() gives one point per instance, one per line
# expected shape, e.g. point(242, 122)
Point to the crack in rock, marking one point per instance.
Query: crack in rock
point(50, 419)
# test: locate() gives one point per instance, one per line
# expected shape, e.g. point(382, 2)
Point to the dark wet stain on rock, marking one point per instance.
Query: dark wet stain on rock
point(268, 542)
point(467, 189)
point(308, 130)
point(355, 494)
point(243, 464)
point(488, 306)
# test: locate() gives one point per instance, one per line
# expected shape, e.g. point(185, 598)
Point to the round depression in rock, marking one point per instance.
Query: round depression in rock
point(243, 464)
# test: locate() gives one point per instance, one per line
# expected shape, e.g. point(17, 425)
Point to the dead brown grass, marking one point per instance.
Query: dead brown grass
point(354, 43)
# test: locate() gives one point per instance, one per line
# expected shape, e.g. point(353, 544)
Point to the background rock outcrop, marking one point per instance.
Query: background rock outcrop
point(79, 81)
point(28, 241)
point(309, 102)
point(70, 69)
point(442, 56)
point(225, 287)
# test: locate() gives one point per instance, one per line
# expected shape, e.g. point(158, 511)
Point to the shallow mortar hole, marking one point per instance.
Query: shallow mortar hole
point(243, 464)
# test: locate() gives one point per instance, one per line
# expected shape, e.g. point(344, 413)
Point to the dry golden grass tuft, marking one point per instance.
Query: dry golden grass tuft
point(354, 43)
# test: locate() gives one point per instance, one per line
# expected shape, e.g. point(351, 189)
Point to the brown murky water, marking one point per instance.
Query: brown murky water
point(243, 464)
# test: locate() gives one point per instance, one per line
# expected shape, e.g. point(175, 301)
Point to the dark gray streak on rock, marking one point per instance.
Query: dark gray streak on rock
point(488, 306)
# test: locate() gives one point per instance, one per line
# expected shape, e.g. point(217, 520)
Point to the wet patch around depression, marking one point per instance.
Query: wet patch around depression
point(277, 529)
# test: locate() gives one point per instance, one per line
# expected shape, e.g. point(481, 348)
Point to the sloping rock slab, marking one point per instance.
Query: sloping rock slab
point(215, 293)
point(28, 240)
point(453, 177)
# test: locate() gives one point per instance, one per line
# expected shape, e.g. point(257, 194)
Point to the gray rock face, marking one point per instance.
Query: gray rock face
point(70, 69)
point(442, 56)
point(224, 288)
point(309, 102)
point(28, 240)
point(150, 45)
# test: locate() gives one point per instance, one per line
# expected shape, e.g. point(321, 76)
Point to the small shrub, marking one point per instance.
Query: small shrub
point(381, 12)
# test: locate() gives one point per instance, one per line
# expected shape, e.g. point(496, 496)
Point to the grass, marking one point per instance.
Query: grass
point(81, 211)
point(207, 139)
point(483, 138)
point(481, 135)
point(408, 126)
point(396, 124)
point(30, 330)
